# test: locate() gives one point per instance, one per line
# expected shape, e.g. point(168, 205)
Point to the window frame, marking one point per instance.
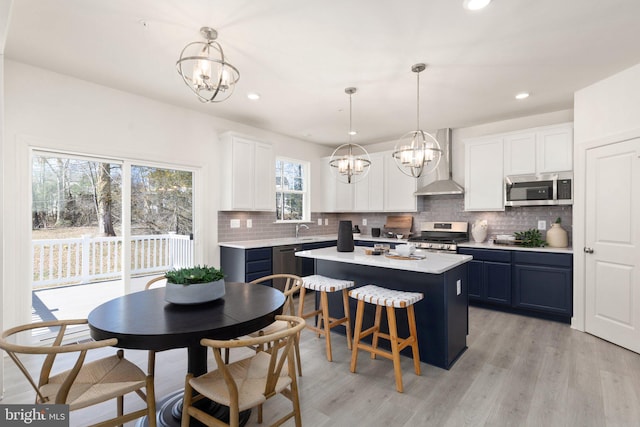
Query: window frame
point(306, 185)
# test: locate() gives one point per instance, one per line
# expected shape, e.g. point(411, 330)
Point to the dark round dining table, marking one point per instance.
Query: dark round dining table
point(145, 321)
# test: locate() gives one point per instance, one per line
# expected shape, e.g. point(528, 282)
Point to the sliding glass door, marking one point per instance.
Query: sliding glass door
point(84, 210)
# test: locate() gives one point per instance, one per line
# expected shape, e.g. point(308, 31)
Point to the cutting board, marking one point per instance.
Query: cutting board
point(403, 222)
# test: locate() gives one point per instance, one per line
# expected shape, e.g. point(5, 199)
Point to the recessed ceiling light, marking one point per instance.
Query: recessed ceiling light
point(475, 4)
point(253, 96)
point(522, 95)
point(353, 132)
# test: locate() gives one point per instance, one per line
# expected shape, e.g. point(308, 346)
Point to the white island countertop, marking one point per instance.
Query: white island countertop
point(433, 263)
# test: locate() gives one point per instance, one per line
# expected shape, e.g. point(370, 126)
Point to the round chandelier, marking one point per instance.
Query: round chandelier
point(417, 152)
point(204, 69)
point(350, 162)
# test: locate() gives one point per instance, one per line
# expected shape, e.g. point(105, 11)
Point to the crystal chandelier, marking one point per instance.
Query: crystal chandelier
point(204, 69)
point(417, 152)
point(350, 162)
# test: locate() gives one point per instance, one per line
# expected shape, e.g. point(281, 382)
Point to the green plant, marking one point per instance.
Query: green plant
point(558, 220)
point(531, 238)
point(192, 275)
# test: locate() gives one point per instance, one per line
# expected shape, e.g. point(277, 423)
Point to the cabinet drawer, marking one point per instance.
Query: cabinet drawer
point(258, 254)
point(253, 276)
point(487, 254)
point(547, 259)
point(260, 265)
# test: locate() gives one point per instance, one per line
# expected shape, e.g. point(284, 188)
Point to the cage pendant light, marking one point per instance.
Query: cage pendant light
point(417, 152)
point(350, 162)
point(204, 69)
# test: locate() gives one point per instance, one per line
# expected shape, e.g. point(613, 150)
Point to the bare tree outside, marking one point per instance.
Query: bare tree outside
point(77, 218)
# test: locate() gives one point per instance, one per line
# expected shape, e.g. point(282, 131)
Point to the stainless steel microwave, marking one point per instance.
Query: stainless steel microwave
point(539, 189)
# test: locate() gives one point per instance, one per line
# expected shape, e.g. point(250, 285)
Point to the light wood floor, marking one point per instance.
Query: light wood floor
point(518, 371)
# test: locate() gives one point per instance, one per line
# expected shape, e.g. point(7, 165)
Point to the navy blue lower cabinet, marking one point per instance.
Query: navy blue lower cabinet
point(546, 286)
point(497, 279)
point(308, 264)
point(245, 265)
point(489, 275)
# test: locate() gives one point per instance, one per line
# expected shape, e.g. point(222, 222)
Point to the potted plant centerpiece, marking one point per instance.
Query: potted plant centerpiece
point(194, 285)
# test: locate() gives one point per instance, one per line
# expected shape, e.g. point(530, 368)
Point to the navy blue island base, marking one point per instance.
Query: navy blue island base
point(442, 317)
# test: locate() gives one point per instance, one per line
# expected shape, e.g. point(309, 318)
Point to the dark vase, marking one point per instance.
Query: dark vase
point(345, 237)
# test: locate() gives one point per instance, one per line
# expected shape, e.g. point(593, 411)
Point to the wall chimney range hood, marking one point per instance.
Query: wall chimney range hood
point(443, 186)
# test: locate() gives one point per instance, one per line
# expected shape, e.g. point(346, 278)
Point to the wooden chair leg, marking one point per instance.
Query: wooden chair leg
point(297, 350)
point(120, 405)
point(188, 392)
point(356, 335)
point(376, 325)
point(413, 330)
point(324, 302)
point(303, 292)
point(347, 315)
point(395, 352)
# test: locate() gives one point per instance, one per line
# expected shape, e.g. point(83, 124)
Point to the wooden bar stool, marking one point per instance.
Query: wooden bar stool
point(391, 299)
point(323, 285)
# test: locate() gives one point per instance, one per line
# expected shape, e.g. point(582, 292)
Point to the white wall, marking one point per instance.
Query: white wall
point(605, 112)
point(59, 112)
point(1, 212)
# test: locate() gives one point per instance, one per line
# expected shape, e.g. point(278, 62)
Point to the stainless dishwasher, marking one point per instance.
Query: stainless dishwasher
point(285, 261)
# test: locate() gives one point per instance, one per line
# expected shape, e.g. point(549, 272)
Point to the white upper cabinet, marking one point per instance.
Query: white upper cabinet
point(520, 153)
point(554, 147)
point(247, 174)
point(484, 175)
point(383, 189)
point(368, 193)
point(539, 150)
point(398, 187)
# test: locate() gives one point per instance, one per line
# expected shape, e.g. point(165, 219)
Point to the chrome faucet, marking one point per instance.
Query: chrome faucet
point(298, 226)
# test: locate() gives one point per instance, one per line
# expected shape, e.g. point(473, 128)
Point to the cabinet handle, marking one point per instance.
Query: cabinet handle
point(588, 250)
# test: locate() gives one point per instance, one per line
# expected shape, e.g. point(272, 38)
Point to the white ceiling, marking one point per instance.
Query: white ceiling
point(300, 55)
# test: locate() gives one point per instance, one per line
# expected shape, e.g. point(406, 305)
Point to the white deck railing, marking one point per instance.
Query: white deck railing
point(89, 259)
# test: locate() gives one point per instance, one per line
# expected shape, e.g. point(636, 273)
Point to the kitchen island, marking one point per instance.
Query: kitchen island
point(442, 316)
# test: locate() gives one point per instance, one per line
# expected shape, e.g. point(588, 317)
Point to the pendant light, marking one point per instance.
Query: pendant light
point(203, 68)
point(417, 152)
point(350, 162)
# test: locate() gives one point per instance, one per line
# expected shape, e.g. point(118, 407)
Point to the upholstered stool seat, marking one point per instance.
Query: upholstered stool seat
point(391, 299)
point(325, 322)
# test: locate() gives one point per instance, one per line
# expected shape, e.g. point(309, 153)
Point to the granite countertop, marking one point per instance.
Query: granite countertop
point(262, 243)
point(433, 263)
point(488, 245)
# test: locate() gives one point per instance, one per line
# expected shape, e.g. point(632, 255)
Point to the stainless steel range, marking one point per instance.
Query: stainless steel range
point(441, 236)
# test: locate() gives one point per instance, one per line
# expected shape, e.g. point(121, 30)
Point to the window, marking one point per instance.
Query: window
point(292, 190)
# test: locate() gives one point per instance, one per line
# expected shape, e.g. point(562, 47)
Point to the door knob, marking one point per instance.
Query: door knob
point(588, 250)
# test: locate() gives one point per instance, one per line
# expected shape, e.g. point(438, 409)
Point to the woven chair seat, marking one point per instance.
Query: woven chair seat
point(320, 283)
point(386, 297)
point(250, 376)
point(97, 381)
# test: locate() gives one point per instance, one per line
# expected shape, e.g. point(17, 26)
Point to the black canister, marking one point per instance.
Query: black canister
point(375, 232)
point(345, 237)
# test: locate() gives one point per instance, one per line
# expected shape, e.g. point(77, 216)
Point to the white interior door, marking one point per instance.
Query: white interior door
point(612, 243)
